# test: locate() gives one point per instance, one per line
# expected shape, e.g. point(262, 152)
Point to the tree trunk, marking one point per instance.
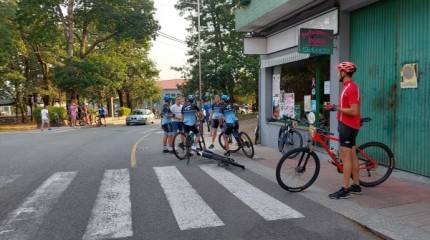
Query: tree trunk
point(121, 98)
point(70, 26)
point(128, 99)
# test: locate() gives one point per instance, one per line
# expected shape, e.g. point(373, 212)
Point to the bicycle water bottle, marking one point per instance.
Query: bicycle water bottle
point(191, 137)
point(335, 152)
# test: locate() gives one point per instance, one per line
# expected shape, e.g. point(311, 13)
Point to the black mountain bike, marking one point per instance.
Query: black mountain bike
point(183, 144)
point(240, 140)
point(288, 137)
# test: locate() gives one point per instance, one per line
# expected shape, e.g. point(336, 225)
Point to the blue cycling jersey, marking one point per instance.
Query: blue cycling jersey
point(229, 114)
point(189, 112)
point(216, 110)
point(207, 108)
point(165, 111)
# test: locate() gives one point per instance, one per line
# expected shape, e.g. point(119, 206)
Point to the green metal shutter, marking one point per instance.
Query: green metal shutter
point(384, 37)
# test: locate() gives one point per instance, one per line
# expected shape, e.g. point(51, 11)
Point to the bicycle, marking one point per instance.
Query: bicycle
point(242, 141)
point(288, 137)
point(295, 174)
point(57, 120)
point(182, 144)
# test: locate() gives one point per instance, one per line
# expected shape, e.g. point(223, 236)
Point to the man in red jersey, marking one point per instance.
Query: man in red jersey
point(348, 115)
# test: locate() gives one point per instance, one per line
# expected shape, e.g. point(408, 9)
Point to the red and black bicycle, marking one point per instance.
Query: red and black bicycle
point(299, 168)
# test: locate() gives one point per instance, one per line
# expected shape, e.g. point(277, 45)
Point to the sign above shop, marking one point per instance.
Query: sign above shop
point(316, 41)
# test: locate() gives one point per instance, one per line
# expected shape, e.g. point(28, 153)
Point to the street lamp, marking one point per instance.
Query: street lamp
point(200, 58)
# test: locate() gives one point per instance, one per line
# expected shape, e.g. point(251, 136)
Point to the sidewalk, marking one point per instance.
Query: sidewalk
point(399, 208)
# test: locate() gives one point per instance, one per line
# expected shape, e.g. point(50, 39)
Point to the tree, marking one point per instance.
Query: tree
point(225, 69)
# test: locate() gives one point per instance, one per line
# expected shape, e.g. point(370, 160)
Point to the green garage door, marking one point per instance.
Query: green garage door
point(384, 37)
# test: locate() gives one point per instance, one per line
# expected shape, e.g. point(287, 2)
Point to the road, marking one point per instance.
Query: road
point(115, 182)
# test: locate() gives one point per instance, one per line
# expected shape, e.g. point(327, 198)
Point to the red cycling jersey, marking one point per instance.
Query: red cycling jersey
point(350, 95)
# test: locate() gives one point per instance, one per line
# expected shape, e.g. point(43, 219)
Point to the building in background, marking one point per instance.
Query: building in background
point(170, 88)
point(301, 42)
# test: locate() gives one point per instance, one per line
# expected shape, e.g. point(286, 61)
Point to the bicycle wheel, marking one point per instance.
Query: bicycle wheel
point(281, 134)
point(247, 147)
point(179, 147)
point(293, 139)
point(295, 174)
point(233, 145)
point(376, 163)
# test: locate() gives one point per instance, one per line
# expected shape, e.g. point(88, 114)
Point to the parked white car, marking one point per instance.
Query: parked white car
point(245, 109)
point(140, 116)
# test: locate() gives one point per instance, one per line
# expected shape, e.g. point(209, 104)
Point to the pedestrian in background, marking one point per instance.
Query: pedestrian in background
point(177, 121)
point(45, 118)
point(72, 113)
point(207, 107)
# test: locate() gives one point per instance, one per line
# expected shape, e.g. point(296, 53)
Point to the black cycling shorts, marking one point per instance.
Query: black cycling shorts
point(347, 135)
point(215, 123)
point(194, 129)
point(168, 128)
point(229, 127)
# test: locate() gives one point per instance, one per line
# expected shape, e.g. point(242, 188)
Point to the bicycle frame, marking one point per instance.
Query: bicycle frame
point(319, 137)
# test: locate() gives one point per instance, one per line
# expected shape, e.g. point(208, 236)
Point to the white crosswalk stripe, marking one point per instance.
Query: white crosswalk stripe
point(22, 222)
point(189, 208)
point(111, 215)
point(265, 205)
point(6, 180)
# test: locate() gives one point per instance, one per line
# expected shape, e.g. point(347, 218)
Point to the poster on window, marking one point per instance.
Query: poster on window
point(276, 89)
point(287, 105)
point(307, 103)
point(276, 107)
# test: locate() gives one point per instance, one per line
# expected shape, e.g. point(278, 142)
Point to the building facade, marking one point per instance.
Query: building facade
point(170, 88)
point(386, 39)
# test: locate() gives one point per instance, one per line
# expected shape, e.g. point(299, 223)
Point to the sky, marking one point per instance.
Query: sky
point(167, 53)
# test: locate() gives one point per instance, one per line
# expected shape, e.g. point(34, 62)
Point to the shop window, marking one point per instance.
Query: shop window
point(299, 89)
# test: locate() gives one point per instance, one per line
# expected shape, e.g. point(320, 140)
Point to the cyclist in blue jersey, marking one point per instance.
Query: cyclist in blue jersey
point(189, 112)
point(207, 107)
point(228, 115)
point(166, 124)
point(216, 106)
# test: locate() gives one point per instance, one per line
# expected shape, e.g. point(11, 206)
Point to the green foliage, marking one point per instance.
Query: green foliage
point(225, 69)
point(34, 42)
point(61, 111)
point(124, 111)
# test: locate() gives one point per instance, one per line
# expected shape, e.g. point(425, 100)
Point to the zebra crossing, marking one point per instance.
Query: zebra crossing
point(111, 214)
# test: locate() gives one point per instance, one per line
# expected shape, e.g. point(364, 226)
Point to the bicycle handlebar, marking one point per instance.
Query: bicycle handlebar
point(325, 132)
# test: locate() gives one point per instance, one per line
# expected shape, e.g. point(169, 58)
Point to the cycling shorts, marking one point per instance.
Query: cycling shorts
point(215, 123)
point(229, 127)
point(347, 135)
point(194, 129)
point(168, 129)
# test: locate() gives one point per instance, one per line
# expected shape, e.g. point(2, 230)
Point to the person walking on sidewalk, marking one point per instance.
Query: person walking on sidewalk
point(45, 118)
point(166, 124)
point(72, 113)
point(214, 118)
point(348, 115)
point(177, 121)
point(102, 114)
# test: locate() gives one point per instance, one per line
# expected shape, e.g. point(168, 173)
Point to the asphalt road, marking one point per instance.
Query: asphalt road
point(115, 182)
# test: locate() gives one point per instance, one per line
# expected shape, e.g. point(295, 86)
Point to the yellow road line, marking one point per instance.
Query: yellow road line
point(133, 161)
